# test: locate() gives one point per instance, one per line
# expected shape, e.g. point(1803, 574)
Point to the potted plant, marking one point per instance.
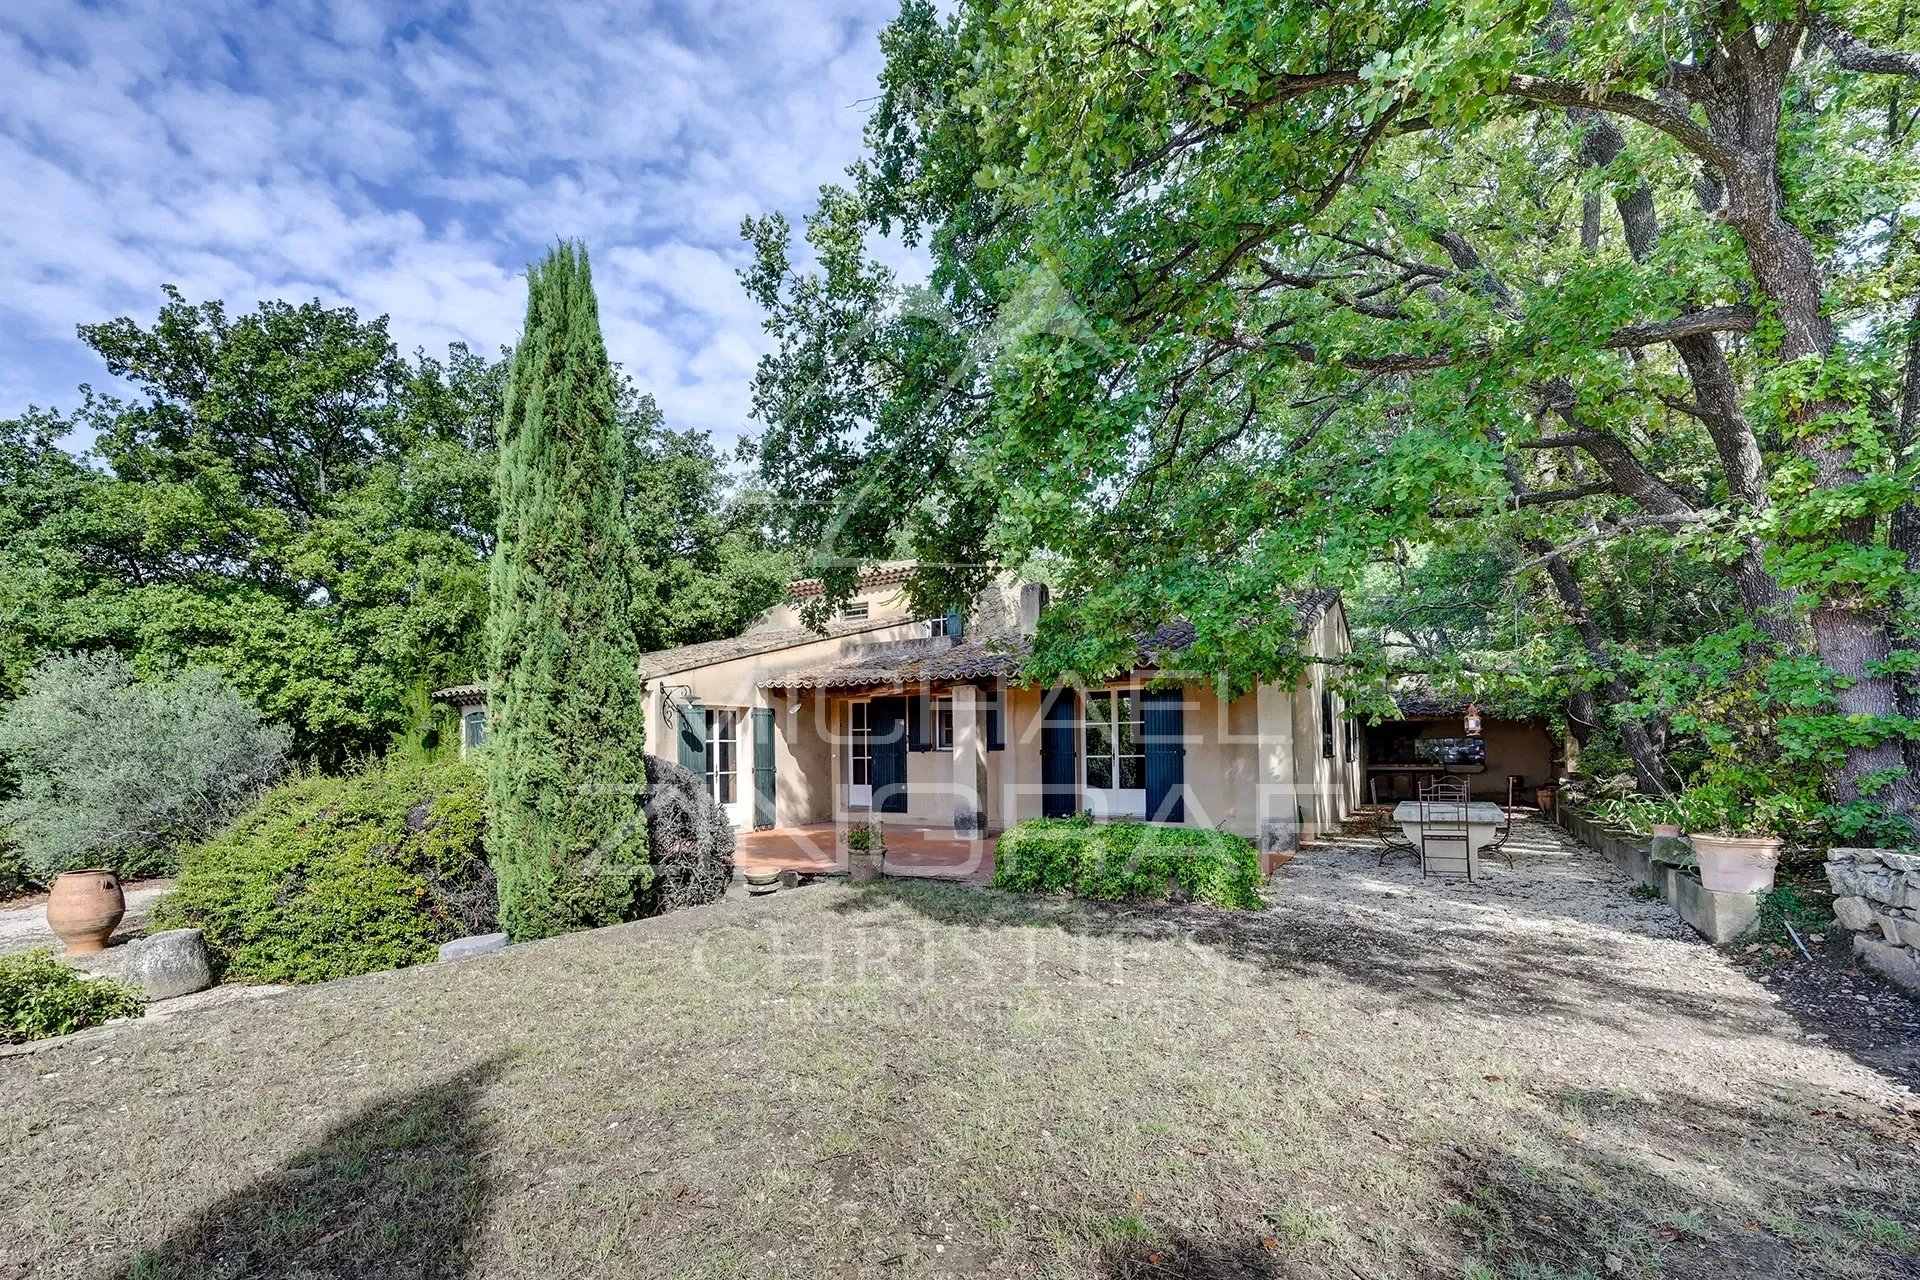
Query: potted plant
point(866, 851)
point(1734, 833)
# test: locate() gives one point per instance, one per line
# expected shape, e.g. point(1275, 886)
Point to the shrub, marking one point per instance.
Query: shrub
point(115, 772)
point(689, 839)
point(330, 877)
point(40, 997)
point(1128, 861)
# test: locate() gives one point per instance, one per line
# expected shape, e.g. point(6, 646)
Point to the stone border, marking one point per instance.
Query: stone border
point(1716, 916)
point(1877, 895)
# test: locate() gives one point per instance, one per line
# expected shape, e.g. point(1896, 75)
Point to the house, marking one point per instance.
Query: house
point(922, 722)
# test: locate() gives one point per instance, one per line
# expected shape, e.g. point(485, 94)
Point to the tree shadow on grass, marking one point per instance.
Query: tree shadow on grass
point(394, 1191)
point(1537, 975)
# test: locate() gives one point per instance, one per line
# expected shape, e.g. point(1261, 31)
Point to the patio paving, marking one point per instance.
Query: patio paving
point(932, 853)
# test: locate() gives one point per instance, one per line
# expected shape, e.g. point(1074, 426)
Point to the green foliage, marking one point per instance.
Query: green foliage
point(566, 705)
point(115, 772)
point(41, 997)
point(328, 877)
point(1784, 905)
point(1128, 861)
point(867, 837)
point(1267, 297)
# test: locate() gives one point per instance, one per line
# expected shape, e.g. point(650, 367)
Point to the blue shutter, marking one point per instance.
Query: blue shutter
point(956, 623)
point(762, 768)
point(1162, 727)
point(1059, 781)
point(884, 717)
point(693, 737)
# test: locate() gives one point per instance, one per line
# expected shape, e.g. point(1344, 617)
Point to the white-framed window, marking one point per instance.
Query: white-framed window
point(855, 611)
point(860, 745)
point(943, 724)
point(473, 728)
point(937, 627)
point(1114, 753)
point(723, 755)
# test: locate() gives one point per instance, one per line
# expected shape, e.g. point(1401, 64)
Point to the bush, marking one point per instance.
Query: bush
point(1128, 862)
point(330, 877)
point(689, 840)
point(114, 772)
point(40, 997)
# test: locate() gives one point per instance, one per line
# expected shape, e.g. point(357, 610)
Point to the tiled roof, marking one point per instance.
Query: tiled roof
point(461, 695)
point(885, 574)
point(912, 662)
point(665, 662)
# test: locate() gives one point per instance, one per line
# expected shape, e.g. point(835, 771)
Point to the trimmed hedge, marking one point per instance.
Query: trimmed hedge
point(1128, 862)
point(41, 997)
point(330, 877)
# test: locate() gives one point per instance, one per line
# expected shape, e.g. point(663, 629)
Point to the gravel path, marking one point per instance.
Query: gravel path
point(1562, 927)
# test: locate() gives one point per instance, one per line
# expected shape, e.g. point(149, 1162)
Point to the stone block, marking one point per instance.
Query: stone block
point(1672, 851)
point(1854, 913)
point(480, 944)
point(1717, 917)
point(1906, 931)
point(168, 965)
point(1904, 862)
point(1279, 835)
point(1883, 889)
point(1843, 879)
point(1889, 928)
point(1896, 964)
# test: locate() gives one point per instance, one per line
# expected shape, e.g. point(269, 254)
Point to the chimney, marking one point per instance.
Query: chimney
point(1033, 602)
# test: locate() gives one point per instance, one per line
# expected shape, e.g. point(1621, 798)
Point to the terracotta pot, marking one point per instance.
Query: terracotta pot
point(1273, 861)
point(1670, 830)
point(1737, 864)
point(83, 907)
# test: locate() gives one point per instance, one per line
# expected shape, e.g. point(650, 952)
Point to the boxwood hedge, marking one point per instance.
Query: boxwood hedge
point(1128, 861)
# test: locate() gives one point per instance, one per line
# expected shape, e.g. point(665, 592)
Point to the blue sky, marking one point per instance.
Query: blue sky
point(409, 159)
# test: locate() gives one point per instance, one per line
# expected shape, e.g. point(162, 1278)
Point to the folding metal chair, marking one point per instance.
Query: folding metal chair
point(1444, 835)
point(1393, 840)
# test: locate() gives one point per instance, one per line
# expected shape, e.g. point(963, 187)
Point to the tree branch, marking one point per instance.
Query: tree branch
point(1855, 54)
point(1676, 124)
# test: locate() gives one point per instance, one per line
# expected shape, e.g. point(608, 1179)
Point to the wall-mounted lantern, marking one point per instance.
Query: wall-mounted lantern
point(1473, 719)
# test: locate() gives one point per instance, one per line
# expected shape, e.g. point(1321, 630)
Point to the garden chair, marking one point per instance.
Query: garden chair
point(1445, 788)
point(1444, 835)
point(1393, 840)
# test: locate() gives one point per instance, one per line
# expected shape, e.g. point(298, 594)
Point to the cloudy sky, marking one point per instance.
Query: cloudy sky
point(409, 159)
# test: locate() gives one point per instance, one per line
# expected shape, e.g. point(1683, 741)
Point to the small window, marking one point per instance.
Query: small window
point(1326, 723)
point(1116, 756)
point(723, 764)
point(936, 627)
point(473, 729)
point(943, 724)
point(855, 612)
point(1352, 740)
point(860, 747)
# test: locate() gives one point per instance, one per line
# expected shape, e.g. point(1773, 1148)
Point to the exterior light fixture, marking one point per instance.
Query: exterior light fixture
point(1473, 719)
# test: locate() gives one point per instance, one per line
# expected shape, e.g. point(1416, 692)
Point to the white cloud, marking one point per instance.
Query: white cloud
point(410, 159)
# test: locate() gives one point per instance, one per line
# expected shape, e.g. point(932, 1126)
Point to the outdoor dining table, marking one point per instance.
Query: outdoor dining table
point(1483, 823)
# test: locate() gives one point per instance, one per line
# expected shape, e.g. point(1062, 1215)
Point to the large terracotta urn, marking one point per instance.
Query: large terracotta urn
point(1737, 864)
point(83, 907)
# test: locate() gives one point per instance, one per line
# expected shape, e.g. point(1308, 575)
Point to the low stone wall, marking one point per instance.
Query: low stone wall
point(1877, 895)
point(1717, 917)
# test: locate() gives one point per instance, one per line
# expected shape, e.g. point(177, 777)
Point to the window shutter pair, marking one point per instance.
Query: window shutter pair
point(920, 723)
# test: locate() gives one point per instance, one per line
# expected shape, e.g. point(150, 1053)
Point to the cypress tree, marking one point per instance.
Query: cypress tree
point(566, 735)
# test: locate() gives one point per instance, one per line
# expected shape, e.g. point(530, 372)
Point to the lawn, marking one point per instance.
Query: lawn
point(915, 1079)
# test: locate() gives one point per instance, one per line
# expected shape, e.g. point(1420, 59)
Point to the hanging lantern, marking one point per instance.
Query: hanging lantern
point(1473, 719)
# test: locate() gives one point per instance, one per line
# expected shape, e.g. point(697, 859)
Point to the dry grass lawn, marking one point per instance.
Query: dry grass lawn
point(915, 1079)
